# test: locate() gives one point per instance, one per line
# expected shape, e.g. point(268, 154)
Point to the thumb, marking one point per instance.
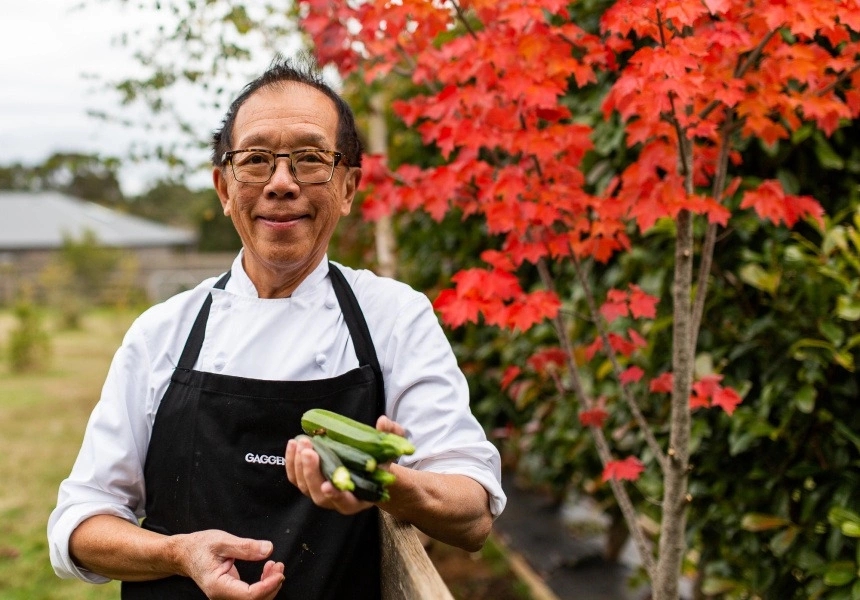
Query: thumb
point(249, 549)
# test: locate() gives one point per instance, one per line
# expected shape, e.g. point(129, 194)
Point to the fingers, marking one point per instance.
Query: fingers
point(210, 556)
point(383, 423)
point(303, 471)
point(270, 582)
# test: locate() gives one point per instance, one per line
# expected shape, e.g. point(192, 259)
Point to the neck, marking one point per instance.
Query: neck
point(278, 283)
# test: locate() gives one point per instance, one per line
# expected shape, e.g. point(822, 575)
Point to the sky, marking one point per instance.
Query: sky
point(50, 54)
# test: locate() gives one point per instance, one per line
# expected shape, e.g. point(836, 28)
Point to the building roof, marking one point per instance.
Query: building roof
point(44, 220)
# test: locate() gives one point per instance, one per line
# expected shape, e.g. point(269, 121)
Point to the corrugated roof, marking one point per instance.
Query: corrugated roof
point(30, 220)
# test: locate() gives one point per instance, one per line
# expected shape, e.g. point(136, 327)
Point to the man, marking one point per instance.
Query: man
point(194, 431)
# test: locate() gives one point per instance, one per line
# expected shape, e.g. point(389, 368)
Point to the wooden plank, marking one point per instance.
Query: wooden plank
point(407, 571)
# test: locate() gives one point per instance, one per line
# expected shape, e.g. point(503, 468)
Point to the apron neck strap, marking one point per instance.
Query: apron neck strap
point(358, 330)
point(198, 330)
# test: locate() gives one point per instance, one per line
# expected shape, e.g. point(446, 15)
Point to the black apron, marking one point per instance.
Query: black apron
point(216, 461)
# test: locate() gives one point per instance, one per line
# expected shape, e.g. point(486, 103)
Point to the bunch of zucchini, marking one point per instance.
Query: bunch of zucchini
point(350, 453)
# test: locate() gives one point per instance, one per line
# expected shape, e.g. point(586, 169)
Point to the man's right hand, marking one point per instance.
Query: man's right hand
point(119, 549)
point(208, 557)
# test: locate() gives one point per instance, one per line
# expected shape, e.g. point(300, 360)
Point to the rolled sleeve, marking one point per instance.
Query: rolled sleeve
point(428, 395)
point(63, 523)
point(107, 477)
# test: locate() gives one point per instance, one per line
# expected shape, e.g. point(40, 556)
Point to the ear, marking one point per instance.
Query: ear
point(350, 187)
point(219, 181)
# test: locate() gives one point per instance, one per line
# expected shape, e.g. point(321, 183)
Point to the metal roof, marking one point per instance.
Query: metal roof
point(43, 220)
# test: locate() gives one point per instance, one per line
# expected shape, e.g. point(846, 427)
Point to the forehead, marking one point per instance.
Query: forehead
point(284, 114)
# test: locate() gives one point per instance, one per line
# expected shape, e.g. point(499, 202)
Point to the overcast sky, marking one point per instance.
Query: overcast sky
point(46, 48)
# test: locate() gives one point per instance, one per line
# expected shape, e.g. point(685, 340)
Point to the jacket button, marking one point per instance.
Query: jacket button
point(321, 358)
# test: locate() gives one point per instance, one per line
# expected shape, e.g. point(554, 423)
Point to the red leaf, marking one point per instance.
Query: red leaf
point(594, 417)
point(454, 310)
point(615, 306)
point(727, 399)
point(621, 345)
point(638, 340)
point(549, 358)
point(593, 348)
point(771, 202)
point(697, 401)
point(630, 468)
point(498, 260)
point(707, 385)
point(510, 374)
point(631, 375)
point(662, 383)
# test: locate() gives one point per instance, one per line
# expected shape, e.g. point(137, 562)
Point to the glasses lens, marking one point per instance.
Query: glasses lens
point(312, 166)
point(253, 166)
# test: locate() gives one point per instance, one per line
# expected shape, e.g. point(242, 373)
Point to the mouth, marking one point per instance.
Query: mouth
point(281, 220)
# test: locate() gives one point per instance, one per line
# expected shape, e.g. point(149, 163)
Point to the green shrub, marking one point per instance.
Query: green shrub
point(29, 344)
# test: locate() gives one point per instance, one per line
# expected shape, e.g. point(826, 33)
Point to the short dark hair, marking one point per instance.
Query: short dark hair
point(284, 70)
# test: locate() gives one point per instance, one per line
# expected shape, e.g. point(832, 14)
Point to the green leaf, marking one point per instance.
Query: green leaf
point(848, 308)
point(782, 541)
point(762, 522)
point(840, 573)
point(850, 529)
point(848, 434)
point(832, 332)
point(804, 399)
point(716, 585)
point(835, 238)
point(760, 279)
point(829, 158)
point(839, 515)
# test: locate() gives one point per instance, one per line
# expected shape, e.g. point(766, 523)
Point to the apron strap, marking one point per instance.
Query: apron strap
point(358, 330)
point(198, 330)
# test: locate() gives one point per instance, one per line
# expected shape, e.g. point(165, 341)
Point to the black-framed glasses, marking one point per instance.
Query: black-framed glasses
point(307, 166)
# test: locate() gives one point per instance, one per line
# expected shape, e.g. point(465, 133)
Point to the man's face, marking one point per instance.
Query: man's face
point(285, 226)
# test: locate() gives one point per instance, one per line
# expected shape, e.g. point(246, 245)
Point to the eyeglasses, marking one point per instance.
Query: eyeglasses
point(258, 166)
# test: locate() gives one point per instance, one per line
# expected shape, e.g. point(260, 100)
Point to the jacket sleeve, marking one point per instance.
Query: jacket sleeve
point(107, 476)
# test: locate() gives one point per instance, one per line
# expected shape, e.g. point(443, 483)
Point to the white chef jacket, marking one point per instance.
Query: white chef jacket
point(302, 337)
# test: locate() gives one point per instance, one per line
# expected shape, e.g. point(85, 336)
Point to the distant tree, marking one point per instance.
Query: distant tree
point(16, 176)
point(86, 176)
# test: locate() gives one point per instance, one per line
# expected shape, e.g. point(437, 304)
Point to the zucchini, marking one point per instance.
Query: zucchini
point(367, 489)
point(332, 467)
point(381, 445)
point(352, 458)
point(382, 477)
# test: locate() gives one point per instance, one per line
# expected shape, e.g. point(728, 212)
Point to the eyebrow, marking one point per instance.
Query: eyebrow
point(304, 140)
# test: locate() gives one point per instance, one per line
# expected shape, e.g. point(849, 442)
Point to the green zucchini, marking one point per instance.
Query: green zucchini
point(382, 477)
point(332, 467)
point(353, 458)
point(381, 445)
point(367, 489)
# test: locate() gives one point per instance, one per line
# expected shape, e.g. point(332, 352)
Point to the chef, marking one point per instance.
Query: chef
point(189, 483)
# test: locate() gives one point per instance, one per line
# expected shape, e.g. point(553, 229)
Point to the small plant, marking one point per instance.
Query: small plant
point(29, 344)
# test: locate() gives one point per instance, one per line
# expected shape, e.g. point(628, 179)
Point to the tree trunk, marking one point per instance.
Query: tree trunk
point(383, 230)
point(674, 524)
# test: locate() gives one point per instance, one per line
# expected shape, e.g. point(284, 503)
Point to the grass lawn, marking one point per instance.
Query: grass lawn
point(42, 419)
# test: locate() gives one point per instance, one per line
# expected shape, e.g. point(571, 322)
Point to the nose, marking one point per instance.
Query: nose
point(282, 182)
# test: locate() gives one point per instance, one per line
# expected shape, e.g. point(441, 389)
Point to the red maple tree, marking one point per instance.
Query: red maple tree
point(692, 80)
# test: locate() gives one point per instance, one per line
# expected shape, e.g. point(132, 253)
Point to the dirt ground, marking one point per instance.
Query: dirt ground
point(476, 575)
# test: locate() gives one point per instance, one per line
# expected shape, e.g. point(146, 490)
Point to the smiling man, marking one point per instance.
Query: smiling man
point(189, 482)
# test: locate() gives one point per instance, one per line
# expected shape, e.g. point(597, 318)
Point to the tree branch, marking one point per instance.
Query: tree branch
point(707, 256)
point(462, 18)
point(618, 490)
point(834, 84)
point(631, 402)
